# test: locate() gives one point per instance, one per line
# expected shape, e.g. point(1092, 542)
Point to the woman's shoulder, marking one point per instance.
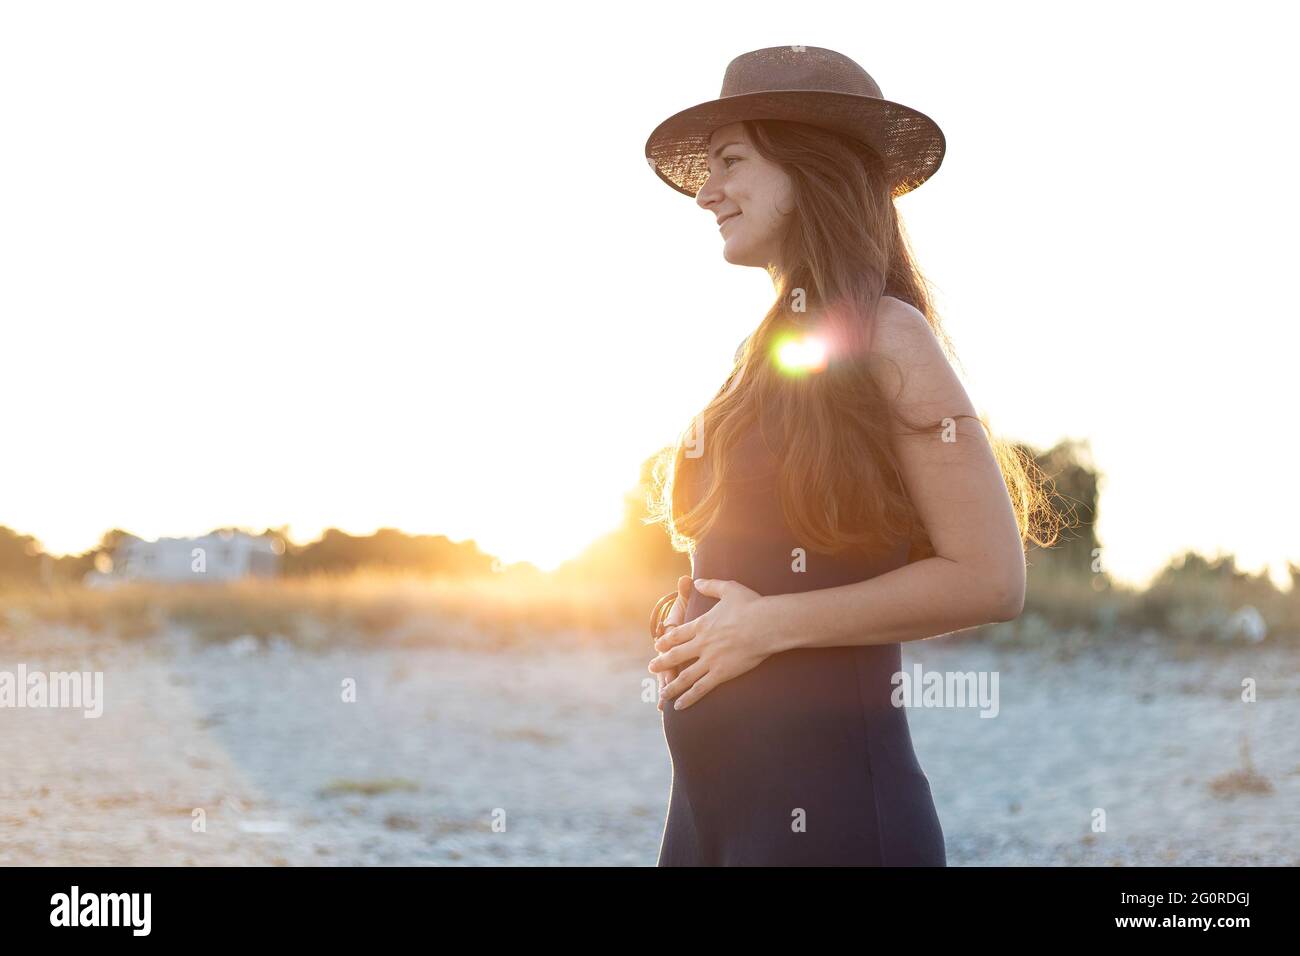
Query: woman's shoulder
point(895, 309)
point(918, 373)
point(901, 329)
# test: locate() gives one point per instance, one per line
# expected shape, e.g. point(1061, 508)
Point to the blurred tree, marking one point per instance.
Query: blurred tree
point(1074, 483)
point(20, 558)
point(339, 552)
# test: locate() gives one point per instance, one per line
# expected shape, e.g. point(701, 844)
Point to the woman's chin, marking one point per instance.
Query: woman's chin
point(737, 255)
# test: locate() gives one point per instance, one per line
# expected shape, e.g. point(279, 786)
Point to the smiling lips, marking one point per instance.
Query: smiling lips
point(726, 219)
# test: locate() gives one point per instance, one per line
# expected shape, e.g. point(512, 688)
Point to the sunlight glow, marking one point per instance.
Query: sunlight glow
point(800, 355)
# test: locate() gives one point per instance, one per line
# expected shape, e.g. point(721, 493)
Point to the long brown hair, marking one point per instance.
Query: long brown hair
point(839, 479)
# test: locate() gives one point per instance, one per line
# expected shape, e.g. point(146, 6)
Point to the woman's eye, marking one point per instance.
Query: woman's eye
point(728, 159)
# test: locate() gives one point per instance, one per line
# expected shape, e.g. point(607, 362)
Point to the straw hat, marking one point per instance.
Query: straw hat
point(807, 84)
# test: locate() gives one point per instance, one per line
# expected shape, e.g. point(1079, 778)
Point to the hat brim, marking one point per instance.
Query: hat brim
point(910, 144)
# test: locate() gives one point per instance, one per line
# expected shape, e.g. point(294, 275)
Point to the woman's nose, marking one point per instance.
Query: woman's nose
point(707, 195)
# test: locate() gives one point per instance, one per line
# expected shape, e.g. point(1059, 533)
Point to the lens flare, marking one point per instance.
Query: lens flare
point(799, 355)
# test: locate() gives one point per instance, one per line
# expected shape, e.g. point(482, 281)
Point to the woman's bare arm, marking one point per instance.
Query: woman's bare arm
point(977, 575)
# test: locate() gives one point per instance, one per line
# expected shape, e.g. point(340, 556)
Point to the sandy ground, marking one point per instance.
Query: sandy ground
point(560, 747)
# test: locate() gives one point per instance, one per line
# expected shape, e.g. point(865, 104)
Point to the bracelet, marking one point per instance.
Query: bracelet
point(662, 609)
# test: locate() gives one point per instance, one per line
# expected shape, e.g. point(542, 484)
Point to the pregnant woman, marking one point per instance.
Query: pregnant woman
point(838, 495)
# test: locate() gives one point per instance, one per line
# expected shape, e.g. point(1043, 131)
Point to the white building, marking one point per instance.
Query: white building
point(221, 556)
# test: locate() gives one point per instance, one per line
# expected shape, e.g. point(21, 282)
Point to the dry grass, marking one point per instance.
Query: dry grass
point(1066, 614)
point(492, 612)
point(1244, 780)
point(1072, 612)
point(368, 788)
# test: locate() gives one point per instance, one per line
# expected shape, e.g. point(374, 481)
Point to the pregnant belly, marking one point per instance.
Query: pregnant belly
point(794, 707)
point(818, 711)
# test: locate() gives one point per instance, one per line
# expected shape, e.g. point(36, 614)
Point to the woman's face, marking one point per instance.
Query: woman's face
point(752, 197)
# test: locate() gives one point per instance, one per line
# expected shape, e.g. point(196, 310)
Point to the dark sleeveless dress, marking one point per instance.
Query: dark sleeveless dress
point(802, 761)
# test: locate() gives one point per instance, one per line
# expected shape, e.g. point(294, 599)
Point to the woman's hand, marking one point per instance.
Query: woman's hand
point(676, 615)
point(733, 637)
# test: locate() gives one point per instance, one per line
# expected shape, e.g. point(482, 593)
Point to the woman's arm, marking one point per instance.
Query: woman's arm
point(925, 599)
point(977, 575)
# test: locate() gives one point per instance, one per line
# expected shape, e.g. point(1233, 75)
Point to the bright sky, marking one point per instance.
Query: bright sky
point(365, 265)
